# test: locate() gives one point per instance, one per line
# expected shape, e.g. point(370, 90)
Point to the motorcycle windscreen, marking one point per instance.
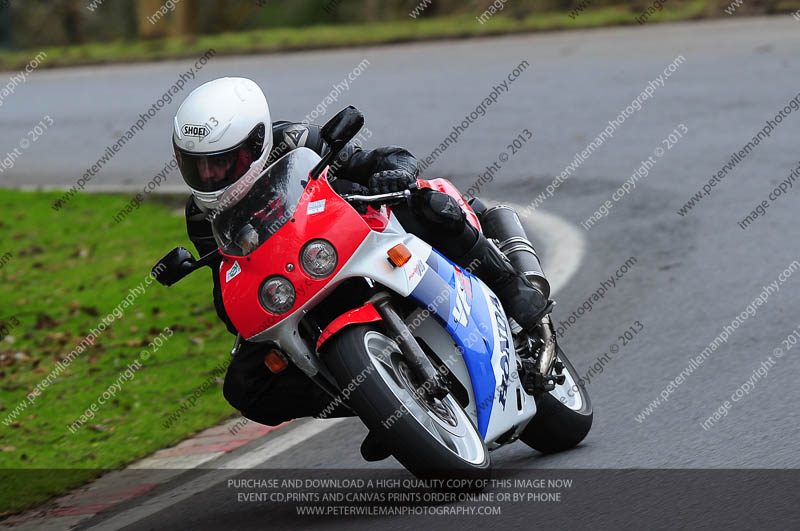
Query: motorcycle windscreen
point(251, 212)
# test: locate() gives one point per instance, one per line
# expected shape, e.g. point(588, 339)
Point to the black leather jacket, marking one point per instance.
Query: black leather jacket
point(356, 166)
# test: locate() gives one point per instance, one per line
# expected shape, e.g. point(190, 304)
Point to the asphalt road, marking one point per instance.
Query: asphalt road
point(692, 275)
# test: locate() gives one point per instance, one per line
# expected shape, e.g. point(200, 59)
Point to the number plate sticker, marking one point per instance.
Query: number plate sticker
point(315, 207)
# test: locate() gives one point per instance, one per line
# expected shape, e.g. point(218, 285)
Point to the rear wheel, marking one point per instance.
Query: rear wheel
point(430, 437)
point(564, 415)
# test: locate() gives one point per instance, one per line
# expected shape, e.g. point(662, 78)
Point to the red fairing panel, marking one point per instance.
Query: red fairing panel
point(365, 314)
point(446, 187)
point(335, 221)
point(377, 220)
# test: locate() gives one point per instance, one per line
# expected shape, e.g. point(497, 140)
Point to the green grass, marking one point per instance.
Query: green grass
point(327, 36)
point(69, 269)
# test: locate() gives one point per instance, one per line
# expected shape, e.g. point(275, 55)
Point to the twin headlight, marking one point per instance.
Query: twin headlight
point(317, 258)
point(277, 294)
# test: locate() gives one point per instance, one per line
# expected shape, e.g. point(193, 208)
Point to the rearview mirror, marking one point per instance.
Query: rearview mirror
point(179, 263)
point(342, 128)
point(337, 133)
point(175, 265)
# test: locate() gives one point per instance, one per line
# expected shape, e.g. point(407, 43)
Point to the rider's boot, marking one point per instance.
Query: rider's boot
point(521, 300)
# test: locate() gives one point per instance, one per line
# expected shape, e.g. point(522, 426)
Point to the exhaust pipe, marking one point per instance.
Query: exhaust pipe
point(502, 223)
point(547, 354)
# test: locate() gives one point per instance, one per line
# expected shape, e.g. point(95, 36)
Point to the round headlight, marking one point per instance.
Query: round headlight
point(318, 258)
point(277, 294)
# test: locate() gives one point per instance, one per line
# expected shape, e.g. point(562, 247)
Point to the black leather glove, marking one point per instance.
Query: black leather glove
point(174, 266)
point(354, 189)
point(387, 181)
point(357, 189)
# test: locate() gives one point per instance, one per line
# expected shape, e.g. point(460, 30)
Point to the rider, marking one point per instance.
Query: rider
point(222, 131)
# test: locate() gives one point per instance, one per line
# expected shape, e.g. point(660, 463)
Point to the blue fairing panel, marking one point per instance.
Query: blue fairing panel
point(455, 300)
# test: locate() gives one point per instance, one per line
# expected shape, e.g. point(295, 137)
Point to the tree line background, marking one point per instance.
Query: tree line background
point(28, 24)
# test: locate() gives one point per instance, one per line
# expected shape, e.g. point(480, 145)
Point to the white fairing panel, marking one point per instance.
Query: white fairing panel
point(519, 407)
point(512, 406)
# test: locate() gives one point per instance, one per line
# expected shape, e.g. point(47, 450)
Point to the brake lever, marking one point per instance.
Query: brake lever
point(379, 198)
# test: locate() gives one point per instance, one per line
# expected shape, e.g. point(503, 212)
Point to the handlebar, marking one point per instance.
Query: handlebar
point(379, 198)
point(382, 198)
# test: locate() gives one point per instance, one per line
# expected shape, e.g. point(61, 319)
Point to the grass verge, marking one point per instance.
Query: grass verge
point(329, 36)
point(62, 272)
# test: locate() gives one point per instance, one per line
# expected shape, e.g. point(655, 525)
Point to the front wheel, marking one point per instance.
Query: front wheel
point(430, 437)
point(563, 417)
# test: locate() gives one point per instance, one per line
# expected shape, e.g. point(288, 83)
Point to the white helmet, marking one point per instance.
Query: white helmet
point(222, 131)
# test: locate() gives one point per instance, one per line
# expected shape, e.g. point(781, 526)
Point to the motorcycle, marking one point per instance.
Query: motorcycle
point(421, 349)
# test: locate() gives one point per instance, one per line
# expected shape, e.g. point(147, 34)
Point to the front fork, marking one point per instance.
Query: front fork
point(422, 367)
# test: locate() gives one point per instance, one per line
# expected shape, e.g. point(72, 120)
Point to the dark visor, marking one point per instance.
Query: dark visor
point(209, 172)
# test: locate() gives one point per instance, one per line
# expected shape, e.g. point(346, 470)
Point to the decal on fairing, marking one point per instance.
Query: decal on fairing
point(463, 307)
point(448, 294)
point(418, 271)
point(505, 348)
point(232, 272)
point(315, 207)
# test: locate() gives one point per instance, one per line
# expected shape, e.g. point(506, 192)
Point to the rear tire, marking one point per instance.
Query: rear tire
point(563, 417)
point(432, 439)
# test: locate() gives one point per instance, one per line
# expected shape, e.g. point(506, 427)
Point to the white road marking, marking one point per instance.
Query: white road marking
point(282, 440)
point(177, 462)
point(59, 523)
point(287, 440)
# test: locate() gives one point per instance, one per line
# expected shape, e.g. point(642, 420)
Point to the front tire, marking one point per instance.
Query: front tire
point(431, 438)
point(563, 417)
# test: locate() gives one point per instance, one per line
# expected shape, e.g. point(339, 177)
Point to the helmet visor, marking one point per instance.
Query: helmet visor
point(209, 172)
